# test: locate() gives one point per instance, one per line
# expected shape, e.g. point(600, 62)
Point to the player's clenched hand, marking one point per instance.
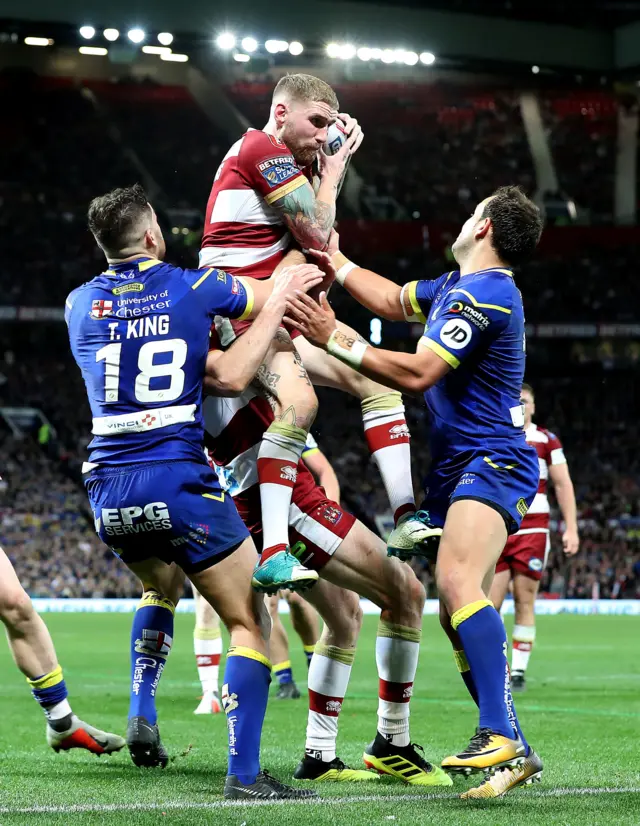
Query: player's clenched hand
point(316, 321)
point(297, 279)
point(334, 165)
point(353, 129)
point(570, 543)
point(323, 260)
point(333, 244)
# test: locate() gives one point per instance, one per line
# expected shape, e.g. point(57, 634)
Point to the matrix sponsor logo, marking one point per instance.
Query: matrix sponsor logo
point(471, 314)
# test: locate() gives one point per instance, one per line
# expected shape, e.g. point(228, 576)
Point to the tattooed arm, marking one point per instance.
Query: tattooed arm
point(229, 372)
point(308, 216)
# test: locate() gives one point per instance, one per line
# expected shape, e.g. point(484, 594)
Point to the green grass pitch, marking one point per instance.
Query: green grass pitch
point(582, 712)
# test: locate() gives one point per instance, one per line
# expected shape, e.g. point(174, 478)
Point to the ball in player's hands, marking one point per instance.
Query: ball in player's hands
point(336, 136)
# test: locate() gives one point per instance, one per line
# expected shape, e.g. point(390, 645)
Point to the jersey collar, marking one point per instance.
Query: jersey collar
point(141, 264)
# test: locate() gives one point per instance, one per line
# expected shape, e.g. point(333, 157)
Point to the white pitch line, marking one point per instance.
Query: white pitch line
point(335, 801)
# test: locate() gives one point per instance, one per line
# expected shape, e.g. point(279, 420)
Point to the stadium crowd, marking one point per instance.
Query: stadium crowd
point(46, 526)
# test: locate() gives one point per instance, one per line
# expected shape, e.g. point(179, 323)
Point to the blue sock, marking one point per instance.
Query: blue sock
point(245, 691)
point(485, 645)
point(283, 672)
point(308, 652)
point(151, 639)
point(50, 691)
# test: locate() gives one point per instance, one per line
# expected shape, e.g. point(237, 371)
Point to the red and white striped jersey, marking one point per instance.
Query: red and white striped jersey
point(549, 452)
point(233, 432)
point(243, 232)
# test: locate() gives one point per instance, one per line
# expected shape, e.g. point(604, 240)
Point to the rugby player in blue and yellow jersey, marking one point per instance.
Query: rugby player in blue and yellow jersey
point(140, 335)
point(470, 365)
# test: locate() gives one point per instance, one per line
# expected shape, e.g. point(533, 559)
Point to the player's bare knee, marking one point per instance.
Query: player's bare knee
point(16, 608)
point(342, 627)
point(451, 584)
point(405, 597)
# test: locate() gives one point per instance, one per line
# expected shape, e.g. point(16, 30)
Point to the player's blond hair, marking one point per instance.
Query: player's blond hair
point(305, 88)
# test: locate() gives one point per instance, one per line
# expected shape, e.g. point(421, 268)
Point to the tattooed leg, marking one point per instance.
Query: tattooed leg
point(283, 381)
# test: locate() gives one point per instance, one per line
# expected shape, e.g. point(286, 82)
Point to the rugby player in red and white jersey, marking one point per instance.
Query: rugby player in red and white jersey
point(347, 555)
point(525, 555)
point(265, 202)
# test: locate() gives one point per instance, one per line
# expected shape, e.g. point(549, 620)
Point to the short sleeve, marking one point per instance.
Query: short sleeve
point(69, 304)
point(268, 167)
point(311, 446)
point(420, 295)
point(555, 450)
point(221, 293)
point(464, 323)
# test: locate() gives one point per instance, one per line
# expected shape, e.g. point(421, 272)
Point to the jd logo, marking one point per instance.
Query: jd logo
point(456, 333)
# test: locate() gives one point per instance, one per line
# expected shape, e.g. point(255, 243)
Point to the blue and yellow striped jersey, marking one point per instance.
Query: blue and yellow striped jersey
point(140, 334)
point(475, 323)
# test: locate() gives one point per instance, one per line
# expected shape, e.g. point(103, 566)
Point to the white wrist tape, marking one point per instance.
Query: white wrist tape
point(352, 356)
point(344, 271)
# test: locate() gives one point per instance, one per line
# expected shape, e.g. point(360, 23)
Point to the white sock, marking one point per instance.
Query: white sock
point(58, 711)
point(278, 457)
point(207, 646)
point(523, 637)
point(388, 438)
point(328, 679)
point(397, 650)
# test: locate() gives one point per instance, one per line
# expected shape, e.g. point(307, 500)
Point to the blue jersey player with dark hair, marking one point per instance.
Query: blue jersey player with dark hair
point(470, 365)
point(140, 335)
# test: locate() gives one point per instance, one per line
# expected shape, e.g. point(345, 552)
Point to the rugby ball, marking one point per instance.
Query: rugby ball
point(336, 137)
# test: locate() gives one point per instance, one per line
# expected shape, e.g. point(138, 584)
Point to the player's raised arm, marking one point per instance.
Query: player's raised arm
point(406, 372)
point(309, 215)
point(378, 294)
point(229, 372)
point(301, 113)
point(307, 276)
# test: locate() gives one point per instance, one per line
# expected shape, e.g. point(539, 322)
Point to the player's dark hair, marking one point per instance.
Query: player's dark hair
point(516, 223)
point(115, 218)
point(529, 389)
point(306, 88)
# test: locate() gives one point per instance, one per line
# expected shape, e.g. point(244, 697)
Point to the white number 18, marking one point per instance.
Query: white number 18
point(111, 353)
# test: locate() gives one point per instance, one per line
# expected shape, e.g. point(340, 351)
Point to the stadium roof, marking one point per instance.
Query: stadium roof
point(584, 14)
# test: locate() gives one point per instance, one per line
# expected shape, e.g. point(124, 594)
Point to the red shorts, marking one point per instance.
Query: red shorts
point(525, 553)
point(319, 523)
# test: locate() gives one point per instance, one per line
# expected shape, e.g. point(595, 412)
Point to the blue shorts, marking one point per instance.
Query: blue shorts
point(505, 480)
point(175, 511)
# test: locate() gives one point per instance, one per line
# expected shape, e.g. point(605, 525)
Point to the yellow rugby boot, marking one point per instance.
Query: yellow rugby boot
point(404, 763)
point(504, 780)
point(310, 768)
point(486, 752)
